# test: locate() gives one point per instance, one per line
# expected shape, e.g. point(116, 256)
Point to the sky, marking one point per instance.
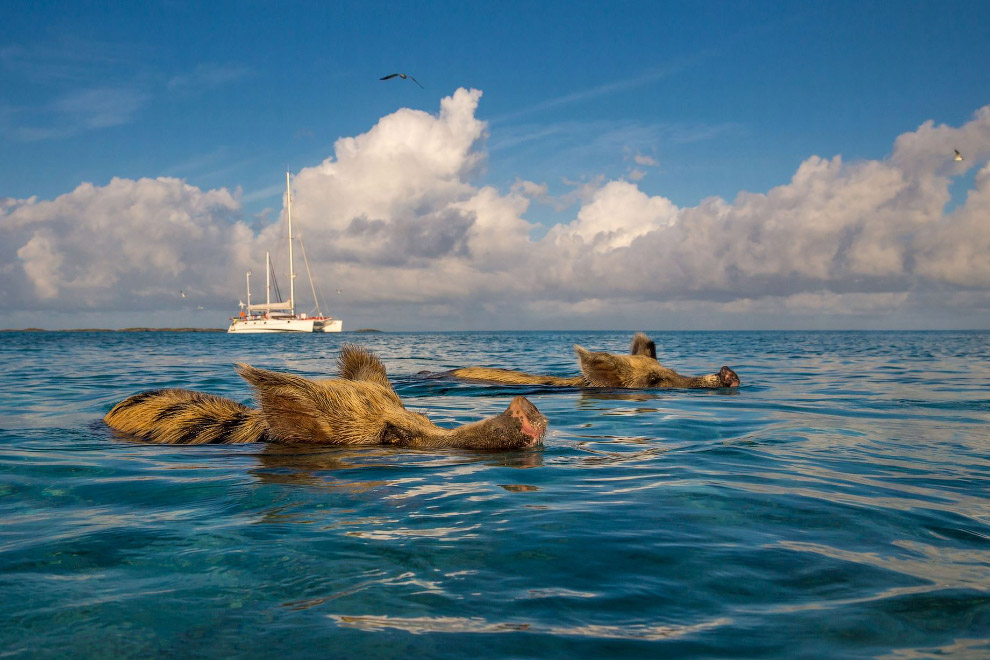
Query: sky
point(563, 165)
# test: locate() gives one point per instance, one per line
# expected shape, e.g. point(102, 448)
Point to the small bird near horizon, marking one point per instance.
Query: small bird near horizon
point(958, 155)
point(182, 293)
point(401, 75)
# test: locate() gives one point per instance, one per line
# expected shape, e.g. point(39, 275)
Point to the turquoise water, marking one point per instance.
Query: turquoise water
point(836, 505)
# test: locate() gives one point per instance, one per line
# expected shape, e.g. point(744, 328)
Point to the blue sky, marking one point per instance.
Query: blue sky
point(684, 101)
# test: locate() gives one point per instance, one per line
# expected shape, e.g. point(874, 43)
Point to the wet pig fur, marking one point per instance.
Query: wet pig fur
point(638, 370)
point(358, 408)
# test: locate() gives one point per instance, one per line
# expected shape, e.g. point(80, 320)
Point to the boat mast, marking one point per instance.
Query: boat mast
point(292, 275)
point(268, 280)
point(248, 278)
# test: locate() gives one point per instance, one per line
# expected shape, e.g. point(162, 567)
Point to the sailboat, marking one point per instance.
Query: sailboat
point(280, 316)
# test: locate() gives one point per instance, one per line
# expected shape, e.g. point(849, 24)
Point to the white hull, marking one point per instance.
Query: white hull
point(260, 325)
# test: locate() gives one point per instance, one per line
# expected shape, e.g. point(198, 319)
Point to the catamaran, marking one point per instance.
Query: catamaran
point(280, 316)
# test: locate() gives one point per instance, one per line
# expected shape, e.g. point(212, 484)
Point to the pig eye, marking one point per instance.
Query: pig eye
point(654, 380)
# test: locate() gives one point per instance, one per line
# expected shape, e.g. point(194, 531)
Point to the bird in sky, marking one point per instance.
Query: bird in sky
point(958, 155)
point(401, 75)
point(183, 293)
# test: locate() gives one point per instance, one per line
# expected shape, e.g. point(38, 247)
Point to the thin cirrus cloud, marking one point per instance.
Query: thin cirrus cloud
point(648, 78)
point(206, 77)
point(69, 60)
point(74, 113)
point(396, 218)
point(101, 107)
point(82, 86)
point(92, 104)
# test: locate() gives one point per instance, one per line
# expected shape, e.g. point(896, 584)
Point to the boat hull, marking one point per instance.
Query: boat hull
point(271, 325)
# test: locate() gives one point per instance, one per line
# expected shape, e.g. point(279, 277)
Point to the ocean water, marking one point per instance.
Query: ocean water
point(836, 505)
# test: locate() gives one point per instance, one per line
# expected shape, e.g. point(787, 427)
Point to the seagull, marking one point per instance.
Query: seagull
point(183, 293)
point(401, 75)
point(958, 155)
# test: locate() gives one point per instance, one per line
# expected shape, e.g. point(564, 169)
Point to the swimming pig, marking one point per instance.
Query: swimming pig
point(640, 369)
point(359, 408)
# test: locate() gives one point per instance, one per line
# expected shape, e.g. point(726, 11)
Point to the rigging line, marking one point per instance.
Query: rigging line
point(278, 294)
point(309, 274)
point(318, 292)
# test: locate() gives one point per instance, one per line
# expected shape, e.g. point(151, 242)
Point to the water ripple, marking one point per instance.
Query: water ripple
point(835, 505)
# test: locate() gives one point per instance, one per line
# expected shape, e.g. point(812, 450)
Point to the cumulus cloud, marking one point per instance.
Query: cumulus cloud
point(617, 214)
point(957, 248)
point(397, 218)
point(410, 161)
point(129, 243)
point(398, 201)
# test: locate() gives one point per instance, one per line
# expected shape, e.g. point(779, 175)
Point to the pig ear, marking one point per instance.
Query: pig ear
point(643, 345)
point(357, 363)
point(599, 369)
point(289, 404)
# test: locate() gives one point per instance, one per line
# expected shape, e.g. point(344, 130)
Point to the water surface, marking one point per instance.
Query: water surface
point(836, 505)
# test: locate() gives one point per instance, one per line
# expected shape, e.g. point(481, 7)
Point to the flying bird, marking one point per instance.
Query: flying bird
point(183, 293)
point(401, 75)
point(958, 155)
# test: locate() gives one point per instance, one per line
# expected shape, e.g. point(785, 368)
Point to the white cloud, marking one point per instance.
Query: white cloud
point(617, 214)
point(928, 151)
point(397, 219)
point(957, 248)
point(125, 244)
point(409, 162)
point(42, 263)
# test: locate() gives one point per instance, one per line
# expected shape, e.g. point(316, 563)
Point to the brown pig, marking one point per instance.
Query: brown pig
point(639, 370)
point(358, 408)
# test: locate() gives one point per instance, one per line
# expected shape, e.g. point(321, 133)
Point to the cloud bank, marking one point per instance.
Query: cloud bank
point(397, 219)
